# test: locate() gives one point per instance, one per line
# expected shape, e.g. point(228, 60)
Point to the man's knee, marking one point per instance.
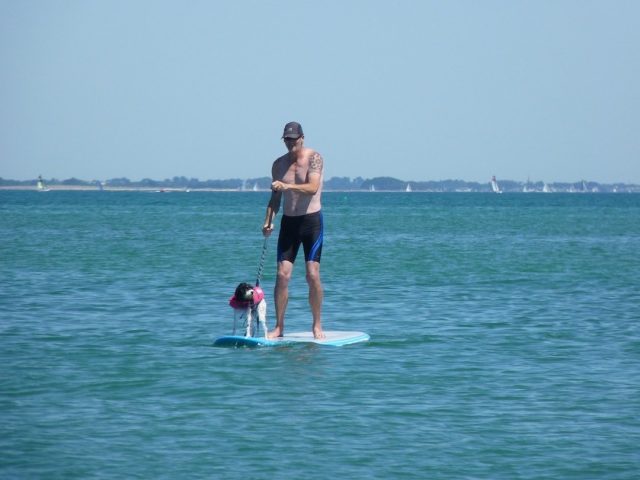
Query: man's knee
point(283, 276)
point(313, 275)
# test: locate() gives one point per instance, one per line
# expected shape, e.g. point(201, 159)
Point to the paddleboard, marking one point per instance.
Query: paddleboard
point(333, 339)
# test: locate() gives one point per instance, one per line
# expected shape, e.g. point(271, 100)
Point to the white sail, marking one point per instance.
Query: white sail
point(408, 189)
point(40, 185)
point(494, 185)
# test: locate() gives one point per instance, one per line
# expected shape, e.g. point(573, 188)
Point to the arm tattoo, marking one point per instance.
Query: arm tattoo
point(315, 163)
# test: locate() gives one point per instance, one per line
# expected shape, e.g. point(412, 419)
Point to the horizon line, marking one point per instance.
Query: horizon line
point(336, 177)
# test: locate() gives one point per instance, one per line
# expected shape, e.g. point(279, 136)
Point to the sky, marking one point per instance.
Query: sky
point(413, 89)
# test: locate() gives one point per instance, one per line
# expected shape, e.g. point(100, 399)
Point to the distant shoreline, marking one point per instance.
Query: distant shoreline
point(334, 184)
point(78, 188)
point(82, 188)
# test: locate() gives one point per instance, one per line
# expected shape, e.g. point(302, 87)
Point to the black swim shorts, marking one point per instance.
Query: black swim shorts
point(306, 229)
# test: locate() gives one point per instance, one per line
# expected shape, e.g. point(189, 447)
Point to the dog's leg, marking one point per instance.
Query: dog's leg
point(237, 315)
point(249, 320)
point(262, 316)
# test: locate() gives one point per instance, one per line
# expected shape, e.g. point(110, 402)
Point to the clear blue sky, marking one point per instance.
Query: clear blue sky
point(418, 90)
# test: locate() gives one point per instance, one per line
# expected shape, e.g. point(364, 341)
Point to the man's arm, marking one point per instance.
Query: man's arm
point(272, 210)
point(314, 175)
point(272, 207)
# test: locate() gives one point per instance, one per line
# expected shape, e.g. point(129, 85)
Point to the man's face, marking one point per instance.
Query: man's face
point(293, 144)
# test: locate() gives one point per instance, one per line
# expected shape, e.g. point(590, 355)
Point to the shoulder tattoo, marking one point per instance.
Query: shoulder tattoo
point(315, 162)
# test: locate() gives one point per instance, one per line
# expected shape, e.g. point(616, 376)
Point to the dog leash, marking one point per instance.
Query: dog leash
point(261, 264)
point(264, 251)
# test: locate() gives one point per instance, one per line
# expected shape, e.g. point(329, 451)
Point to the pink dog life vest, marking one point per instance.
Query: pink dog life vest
point(258, 295)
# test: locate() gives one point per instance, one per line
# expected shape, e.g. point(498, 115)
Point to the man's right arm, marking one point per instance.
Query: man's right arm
point(272, 207)
point(272, 210)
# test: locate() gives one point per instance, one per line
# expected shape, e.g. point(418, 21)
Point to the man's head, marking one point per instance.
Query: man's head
point(293, 136)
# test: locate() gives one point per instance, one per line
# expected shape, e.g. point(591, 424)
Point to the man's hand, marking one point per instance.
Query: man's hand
point(267, 230)
point(278, 186)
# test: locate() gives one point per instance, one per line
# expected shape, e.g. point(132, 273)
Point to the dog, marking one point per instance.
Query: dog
point(249, 305)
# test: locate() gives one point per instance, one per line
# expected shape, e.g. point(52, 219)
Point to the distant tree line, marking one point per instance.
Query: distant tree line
point(378, 184)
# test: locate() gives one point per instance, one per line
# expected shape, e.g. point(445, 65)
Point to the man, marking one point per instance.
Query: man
point(297, 176)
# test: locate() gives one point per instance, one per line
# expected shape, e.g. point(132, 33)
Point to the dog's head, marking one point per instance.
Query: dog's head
point(244, 292)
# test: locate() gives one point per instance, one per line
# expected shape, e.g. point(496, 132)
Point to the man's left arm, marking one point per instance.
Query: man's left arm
point(314, 177)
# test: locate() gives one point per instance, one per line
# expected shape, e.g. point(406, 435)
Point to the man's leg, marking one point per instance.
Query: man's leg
point(281, 295)
point(316, 295)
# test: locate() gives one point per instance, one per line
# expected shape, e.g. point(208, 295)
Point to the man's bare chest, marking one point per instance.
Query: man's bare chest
point(295, 173)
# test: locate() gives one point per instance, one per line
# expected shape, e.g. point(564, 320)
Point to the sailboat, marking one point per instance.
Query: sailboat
point(546, 188)
point(494, 185)
point(40, 185)
point(408, 189)
point(372, 188)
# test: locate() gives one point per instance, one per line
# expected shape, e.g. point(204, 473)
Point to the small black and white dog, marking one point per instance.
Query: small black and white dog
point(249, 306)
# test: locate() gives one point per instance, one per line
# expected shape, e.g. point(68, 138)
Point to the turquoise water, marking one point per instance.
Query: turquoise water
point(505, 339)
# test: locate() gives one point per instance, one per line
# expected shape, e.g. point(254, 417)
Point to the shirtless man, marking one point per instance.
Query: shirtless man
point(297, 176)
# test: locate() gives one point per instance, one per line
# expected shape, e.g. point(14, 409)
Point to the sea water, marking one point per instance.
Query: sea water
point(505, 339)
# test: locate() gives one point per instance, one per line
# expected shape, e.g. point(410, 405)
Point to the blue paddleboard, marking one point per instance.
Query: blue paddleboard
point(333, 339)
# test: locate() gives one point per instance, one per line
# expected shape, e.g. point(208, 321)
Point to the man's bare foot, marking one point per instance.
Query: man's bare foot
point(318, 334)
point(275, 333)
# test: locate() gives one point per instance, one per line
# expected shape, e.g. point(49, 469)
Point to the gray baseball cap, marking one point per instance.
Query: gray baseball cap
point(292, 130)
